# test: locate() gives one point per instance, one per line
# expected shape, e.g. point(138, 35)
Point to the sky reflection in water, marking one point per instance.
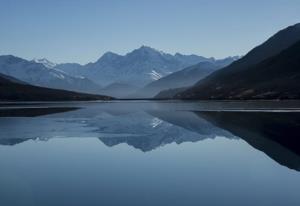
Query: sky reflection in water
point(148, 154)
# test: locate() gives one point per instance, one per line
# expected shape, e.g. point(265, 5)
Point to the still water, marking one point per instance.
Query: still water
point(148, 153)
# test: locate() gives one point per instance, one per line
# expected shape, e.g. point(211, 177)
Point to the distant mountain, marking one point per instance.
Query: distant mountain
point(183, 78)
point(138, 68)
point(13, 90)
point(73, 69)
point(118, 90)
point(269, 71)
point(39, 75)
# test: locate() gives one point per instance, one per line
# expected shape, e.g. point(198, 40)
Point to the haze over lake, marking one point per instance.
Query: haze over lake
point(149, 153)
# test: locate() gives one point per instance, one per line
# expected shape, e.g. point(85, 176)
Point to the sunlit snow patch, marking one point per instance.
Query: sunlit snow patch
point(155, 75)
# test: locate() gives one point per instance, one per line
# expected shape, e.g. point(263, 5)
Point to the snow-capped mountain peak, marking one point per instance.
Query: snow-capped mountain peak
point(45, 62)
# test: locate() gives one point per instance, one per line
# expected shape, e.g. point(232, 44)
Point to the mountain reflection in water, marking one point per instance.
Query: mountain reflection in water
point(148, 126)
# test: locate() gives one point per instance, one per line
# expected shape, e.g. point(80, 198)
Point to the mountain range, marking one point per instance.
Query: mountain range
point(137, 68)
point(112, 74)
point(269, 71)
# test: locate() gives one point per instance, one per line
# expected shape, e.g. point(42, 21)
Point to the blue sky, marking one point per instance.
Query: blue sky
point(82, 30)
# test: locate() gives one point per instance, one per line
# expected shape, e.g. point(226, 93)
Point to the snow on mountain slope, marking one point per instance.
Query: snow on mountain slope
point(155, 75)
point(45, 62)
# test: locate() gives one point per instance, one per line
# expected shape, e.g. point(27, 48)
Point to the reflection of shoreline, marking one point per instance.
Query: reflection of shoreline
point(12, 142)
point(275, 134)
point(34, 112)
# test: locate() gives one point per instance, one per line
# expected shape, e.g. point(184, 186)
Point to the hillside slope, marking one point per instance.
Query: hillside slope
point(253, 78)
point(12, 90)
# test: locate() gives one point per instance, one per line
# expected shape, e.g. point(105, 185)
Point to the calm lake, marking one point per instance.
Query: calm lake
point(150, 153)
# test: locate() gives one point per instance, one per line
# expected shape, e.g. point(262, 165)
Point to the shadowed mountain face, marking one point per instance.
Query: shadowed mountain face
point(12, 89)
point(275, 134)
point(269, 71)
point(183, 78)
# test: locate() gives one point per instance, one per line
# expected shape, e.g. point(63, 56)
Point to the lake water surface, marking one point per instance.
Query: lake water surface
point(149, 153)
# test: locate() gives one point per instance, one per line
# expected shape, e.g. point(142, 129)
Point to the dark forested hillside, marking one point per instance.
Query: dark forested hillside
point(12, 89)
point(270, 71)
